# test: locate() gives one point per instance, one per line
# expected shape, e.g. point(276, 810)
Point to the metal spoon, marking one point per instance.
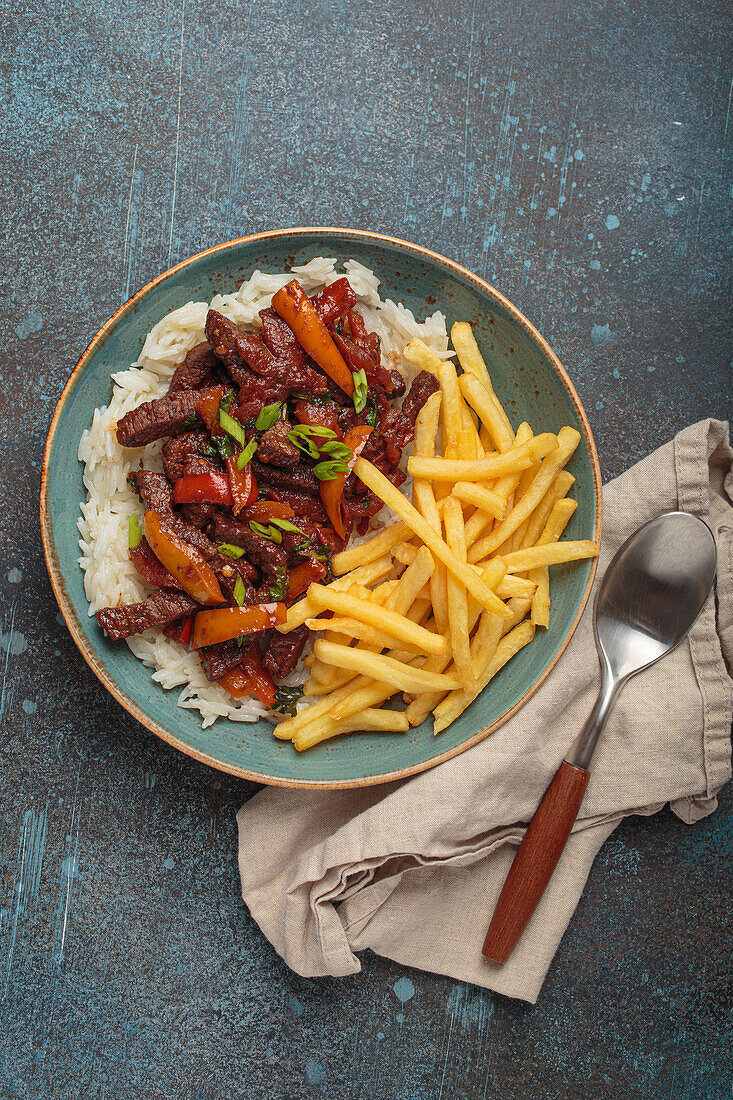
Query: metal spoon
point(653, 591)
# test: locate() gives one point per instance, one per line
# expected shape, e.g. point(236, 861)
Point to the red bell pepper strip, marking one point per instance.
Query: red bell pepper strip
point(187, 565)
point(302, 575)
point(207, 406)
point(263, 684)
point(242, 483)
point(223, 623)
point(334, 301)
point(237, 683)
point(264, 510)
point(296, 309)
point(180, 631)
point(209, 488)
point(332, 491)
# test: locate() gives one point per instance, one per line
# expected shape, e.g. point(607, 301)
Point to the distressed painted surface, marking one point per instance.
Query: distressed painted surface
point(578, 158)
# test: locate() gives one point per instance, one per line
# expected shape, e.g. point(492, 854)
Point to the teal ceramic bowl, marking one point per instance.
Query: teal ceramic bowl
point(530, 382)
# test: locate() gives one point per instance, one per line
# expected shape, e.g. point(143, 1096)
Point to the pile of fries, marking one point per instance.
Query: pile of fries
point(436, 604)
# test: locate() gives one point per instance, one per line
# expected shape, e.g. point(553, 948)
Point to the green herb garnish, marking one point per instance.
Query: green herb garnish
point(361, 390)
point(286, 699)
point(266, 531)
point(326, 471)
point(371, 413)
point(279, 590)
point(230, 551)
point(226, 402)
point(240, 591)
point(247, 454)
point(134, 531)
point(267, 416)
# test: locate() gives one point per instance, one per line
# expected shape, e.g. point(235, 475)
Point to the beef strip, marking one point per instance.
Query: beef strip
point(246, 352)
point(217, 660)
point(275, 447)
point(280, 338)
point(149, 568)
point(194, 371)
point(334, 301)
point(357, 358)
point(301, 503)
point(300, 478)
point(175, 451)
point(423, 386)
point(156, 493)
point(392, 434)
point(283, 651)
point(266, 555)
point(162, 607)
point(154, 419)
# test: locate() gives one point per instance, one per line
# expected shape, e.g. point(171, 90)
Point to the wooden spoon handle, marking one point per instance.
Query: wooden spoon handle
point(535, 861)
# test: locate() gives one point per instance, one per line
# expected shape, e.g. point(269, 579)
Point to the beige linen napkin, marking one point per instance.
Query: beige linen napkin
point(413, 870)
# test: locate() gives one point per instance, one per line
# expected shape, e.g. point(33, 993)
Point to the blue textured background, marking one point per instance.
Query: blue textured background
point(577, 156)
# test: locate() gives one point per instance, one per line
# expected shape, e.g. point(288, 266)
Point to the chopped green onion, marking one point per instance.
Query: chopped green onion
point(279, 590)
point(240, 591)
point(338, 450)
point(232, 427)
point(286, 699)
point(314, 430)
point(190, 420)
point(230, 551)
point(285, 525)
point(324, 398)
point(247, 454)
point(266, 531)
point(134, 531)
point(360, 390)
point(371, 413)
point(267, 416)
point(224, 446)
point(326, 471)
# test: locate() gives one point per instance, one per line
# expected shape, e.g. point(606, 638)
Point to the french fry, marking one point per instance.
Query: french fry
point(568, 439)
point(321, 729)
point(284, 731)
point(386, 492)
point(351, 628)
point(519, 561)
point(364, 574)
point(516, 586)
point(423, 497)
point(457, 598)
point(490, 412)
point(536, 524)
point(395, 624)
point(411, 583)
point(503, 488)
point(370, 550)
point(519, 608)
point(456, 702)
point(469, 443)
point(405, 553)
point(420, 355)
point(557, 521)
point(485, 499)
point(481, 469)
point(384, 669)
point(451, 407)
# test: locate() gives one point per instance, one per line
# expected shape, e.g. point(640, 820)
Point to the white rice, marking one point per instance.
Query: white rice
point(110, 579)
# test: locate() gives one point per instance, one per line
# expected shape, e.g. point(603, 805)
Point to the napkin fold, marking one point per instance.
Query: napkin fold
point(413, 869)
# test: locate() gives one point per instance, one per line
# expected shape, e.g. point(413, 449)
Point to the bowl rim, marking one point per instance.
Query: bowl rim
point(67, 609)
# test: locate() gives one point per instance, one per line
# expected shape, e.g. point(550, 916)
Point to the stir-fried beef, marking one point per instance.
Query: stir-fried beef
point(280, 339)
point(266, 555)
point(276, 448)
point(300, 478)
point(154, 490)
point(266, 366)
point(283, 651)
point(217, 660)
point(175, 451)
point(154, 419)
point(423, 386)
point(194, 371)
point(162, 607)
point(149, 568)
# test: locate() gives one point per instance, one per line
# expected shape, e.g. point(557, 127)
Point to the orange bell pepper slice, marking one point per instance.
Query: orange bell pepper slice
point(237, 683)
point(207, 406)
point(262, 683)
point(296, 309)
point(223, 623)
point(263, 510)
point(187, 565)
point(303, 575)
point(243, 484)
point(332, 491)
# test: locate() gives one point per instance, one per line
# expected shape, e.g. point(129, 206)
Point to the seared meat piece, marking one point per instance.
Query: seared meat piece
point(149, 568)
point(357, 358)
point(423, 386)
point(236, 349)
point(175, 451)
point(283, 651)
point(280, 339)
point(198, 515)
point(301, 503)
point(268, 556)
point(162, 607)
point(391, 435)
point(246, 352)
point(194, 371)
point(217, 660)
point(175, 630)
point(153, 419)
point(154, 489)
point(276, 448)
point(300, 478)
point(334, 301)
